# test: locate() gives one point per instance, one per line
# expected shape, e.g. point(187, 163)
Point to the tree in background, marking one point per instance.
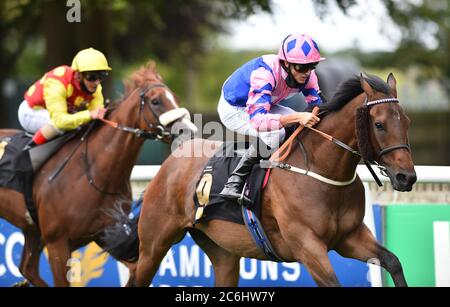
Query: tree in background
point(126, 31)
point(17, 27)
point(425, 36)
point(35, 35)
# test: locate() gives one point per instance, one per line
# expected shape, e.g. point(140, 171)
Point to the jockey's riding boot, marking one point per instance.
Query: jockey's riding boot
point(43, 135)
point(233, 187)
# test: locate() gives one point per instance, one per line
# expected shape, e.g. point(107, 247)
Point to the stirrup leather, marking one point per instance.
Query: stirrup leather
point(244, 200)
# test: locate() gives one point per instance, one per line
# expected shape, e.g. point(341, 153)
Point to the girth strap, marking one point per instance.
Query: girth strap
point(258, 235)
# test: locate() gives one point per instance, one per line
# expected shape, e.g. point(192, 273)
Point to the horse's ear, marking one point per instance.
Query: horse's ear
point(392, 84)
point(365, 85)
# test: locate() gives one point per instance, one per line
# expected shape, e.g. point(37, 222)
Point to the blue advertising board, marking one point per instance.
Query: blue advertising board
point(184, 265)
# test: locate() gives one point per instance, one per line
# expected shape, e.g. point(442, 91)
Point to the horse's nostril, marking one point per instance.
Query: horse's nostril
point(407, 179)
point(401, 178)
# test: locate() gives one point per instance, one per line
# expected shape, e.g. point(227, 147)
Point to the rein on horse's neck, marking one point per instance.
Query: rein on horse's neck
point(127, 113)
point(325, 157)
point(121, 148)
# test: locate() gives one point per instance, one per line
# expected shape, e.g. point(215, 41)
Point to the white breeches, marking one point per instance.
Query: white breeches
point(32, 119)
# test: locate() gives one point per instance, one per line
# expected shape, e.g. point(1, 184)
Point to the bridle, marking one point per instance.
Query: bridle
point(157, 131)
point(367, 104)
point(388, 149)
point(161, 132)
point(279, 156)
point(383, 170)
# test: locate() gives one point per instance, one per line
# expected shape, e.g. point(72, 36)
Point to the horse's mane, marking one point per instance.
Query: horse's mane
point(145, 74)
point(349, 89)
point(345, 93)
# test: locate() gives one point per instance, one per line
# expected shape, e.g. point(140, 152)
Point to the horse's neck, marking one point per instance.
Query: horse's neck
point(326, 157)
point(127, 112)
point(120, 148)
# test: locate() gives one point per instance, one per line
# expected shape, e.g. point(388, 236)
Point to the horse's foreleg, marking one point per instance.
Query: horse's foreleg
point(225, 264)
point(157, 232)
point(58, 256)
point(312, 252)
point(132, 270)
point(29, 265)
point(362, 245)
point(314, 255)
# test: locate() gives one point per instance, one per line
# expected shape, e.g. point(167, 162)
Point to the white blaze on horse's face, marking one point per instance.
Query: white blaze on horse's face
point(171, 98)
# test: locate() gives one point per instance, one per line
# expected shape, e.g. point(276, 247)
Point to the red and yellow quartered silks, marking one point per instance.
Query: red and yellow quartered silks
point(60, 93)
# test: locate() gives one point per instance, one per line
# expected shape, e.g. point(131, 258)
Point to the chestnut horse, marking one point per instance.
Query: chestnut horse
point(73, 209)
point(304, 219)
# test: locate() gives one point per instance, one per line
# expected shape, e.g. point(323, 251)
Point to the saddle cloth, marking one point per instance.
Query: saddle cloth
point(15, 163)
point(209, 204)
point(17, 166)
point(16, 170)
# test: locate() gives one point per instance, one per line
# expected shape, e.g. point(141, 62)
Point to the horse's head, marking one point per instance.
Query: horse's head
point(158, 112)
point(159, 109)
point(382, 129)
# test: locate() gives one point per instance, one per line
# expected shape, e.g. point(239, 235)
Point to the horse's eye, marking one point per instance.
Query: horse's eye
point(155, 101)
point(379, 126)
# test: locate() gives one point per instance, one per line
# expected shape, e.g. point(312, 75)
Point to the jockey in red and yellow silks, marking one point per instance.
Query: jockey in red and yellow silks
point(65, 97)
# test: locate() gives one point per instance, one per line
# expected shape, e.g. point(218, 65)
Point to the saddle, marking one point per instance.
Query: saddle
point(210, 205)
point(17, 166)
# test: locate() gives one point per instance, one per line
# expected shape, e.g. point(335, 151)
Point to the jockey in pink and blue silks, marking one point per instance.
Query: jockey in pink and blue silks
point(250, 99)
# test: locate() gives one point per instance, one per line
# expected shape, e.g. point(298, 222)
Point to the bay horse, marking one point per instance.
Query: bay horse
point(73, 209)
point(303, 219)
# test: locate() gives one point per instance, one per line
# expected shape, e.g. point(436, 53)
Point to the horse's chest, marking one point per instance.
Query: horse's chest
point(346, 220)
point(347, 214)
point(338, 222)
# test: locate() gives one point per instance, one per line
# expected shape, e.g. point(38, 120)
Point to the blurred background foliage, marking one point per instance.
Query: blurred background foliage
point(181, 36)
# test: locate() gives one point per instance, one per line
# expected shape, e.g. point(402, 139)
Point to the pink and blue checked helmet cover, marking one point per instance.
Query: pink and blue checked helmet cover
point(299, 49)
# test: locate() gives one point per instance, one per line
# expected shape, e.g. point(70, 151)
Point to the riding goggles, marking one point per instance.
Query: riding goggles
point(95, 75)
point(302, 68)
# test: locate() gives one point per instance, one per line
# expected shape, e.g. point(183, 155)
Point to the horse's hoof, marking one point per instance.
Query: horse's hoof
point(22, 284)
